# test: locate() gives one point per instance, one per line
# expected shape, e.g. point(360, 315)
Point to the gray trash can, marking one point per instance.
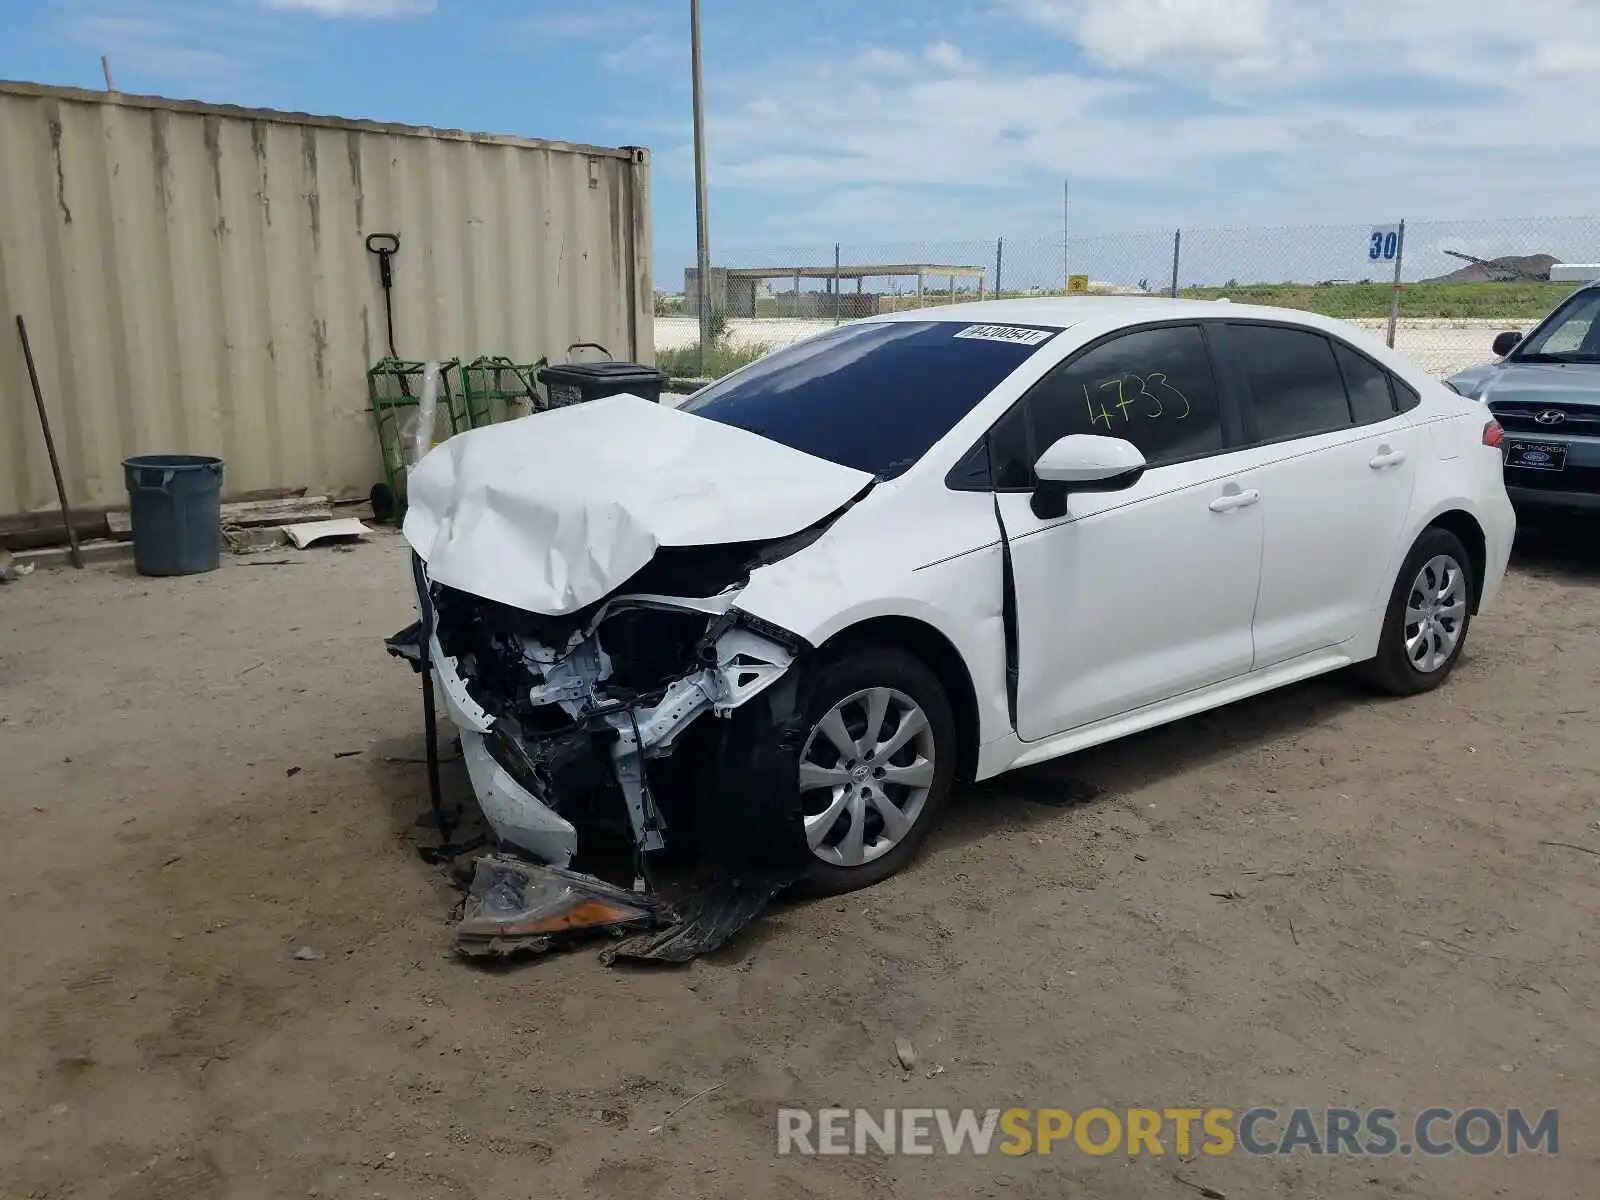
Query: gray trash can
point(175, 505)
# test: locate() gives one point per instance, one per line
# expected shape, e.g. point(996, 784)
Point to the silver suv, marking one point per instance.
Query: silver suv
point(1545, 392)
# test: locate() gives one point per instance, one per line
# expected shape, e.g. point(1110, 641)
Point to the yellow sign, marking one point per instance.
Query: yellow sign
point(1077, 283)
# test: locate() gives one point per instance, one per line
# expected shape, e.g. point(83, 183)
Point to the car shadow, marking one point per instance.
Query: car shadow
point(1559, 545)
point(1027, 797)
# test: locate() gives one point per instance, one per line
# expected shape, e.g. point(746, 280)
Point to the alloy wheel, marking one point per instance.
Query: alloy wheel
point(1436, 613)
point(865, 772)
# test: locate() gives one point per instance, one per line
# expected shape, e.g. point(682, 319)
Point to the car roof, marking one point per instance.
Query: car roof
point(1063, 312)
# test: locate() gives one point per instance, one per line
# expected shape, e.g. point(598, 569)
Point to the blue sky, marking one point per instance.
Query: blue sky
point(885, 122)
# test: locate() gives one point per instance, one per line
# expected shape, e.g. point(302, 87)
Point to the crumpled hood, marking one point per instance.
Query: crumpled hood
point(556, 510)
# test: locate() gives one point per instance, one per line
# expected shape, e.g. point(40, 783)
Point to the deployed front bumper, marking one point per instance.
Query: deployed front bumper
point(514, 813)
point(511, 771)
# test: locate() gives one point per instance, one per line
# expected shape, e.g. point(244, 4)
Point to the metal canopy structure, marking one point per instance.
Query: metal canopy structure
point(860, 271)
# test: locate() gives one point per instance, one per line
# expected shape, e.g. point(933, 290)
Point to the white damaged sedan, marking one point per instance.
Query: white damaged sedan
point(778, 624)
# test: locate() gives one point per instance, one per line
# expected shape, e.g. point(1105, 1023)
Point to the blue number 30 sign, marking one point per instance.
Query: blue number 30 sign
point(1383, 244)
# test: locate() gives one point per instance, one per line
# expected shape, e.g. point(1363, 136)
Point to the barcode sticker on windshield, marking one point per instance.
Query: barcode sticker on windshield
point(1015, 334)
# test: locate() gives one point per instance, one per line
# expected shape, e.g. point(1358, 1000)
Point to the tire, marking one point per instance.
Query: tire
point(1396, 669)
point(854, 681)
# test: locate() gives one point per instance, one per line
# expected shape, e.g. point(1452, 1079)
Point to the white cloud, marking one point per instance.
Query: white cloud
point(649, 43)
point(646, 54)
point(141, 46)
point(359, 8)
point(1320, 111)
point(582, 24)
point(1564, 58)
point(879, 60)
point(946, 56)
point(1268, 44)
point(158, 46)
point(1167, 33)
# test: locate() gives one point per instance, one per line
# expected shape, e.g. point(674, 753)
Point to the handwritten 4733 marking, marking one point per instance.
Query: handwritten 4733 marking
point(1142, 400)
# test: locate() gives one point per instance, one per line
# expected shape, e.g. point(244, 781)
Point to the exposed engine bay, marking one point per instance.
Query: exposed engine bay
point(592, 743)
point(580, 709)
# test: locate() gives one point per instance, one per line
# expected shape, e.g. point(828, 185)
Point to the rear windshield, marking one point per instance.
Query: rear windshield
point(874, 396)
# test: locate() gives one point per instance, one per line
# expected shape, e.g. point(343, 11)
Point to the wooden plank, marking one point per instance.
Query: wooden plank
point(99, 550)
point(247, 513)
point(277, 512)
point(26, 531)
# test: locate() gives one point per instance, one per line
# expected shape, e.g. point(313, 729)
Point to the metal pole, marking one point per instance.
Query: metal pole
point(836, 283)
point(1066, 221)
point(1177, 243)
point(105, 69)
point(49, 443)
point(702, 215)
point(1394, 300)
point(999, 261)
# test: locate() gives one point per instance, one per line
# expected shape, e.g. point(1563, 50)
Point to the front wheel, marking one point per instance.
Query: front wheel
point(875, 767)
point(1425, 625)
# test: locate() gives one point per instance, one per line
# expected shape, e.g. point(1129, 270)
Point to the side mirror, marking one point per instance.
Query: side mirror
point(1083, 462)
point(1505, 343)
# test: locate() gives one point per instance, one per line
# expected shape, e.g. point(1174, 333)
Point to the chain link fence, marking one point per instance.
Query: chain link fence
point(1459, 282)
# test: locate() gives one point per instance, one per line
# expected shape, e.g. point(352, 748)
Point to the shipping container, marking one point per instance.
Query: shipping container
point(196, 278)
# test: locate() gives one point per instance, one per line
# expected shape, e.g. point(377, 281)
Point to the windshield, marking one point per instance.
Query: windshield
point(1571, 334)
point(872, 396)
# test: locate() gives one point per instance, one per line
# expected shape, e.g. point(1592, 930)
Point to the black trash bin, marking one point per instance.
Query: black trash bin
point(573, 383)
point(175, 503)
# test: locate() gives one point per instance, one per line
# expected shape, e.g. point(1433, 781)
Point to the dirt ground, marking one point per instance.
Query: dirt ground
point(179, 822)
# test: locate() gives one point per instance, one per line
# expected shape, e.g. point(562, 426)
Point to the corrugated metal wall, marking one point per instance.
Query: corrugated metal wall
point(195, 278)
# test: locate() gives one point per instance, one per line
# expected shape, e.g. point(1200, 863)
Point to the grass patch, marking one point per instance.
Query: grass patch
point(721, 359)
point(1511, 301)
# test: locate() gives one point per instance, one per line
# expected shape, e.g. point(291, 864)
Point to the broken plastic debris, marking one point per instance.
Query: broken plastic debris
point(905, 1052)
point(306, 954)
point(312, 532)
point(407, 644)
point(714, 913)
point(520, 907)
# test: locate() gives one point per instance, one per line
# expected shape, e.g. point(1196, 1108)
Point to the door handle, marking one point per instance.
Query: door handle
point(1386, 457)
point(1235, 499)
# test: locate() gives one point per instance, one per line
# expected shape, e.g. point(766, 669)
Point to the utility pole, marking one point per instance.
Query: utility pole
point(1066, 222)
point(702, 217)
point(1394, 297)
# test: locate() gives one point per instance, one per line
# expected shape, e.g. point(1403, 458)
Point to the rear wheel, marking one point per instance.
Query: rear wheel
point(1425, 626)
point(874, 768)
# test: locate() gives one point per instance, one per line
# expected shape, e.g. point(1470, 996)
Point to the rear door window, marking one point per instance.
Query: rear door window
point(1405, 396)
point(1367, 385)
point(1295, 386)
